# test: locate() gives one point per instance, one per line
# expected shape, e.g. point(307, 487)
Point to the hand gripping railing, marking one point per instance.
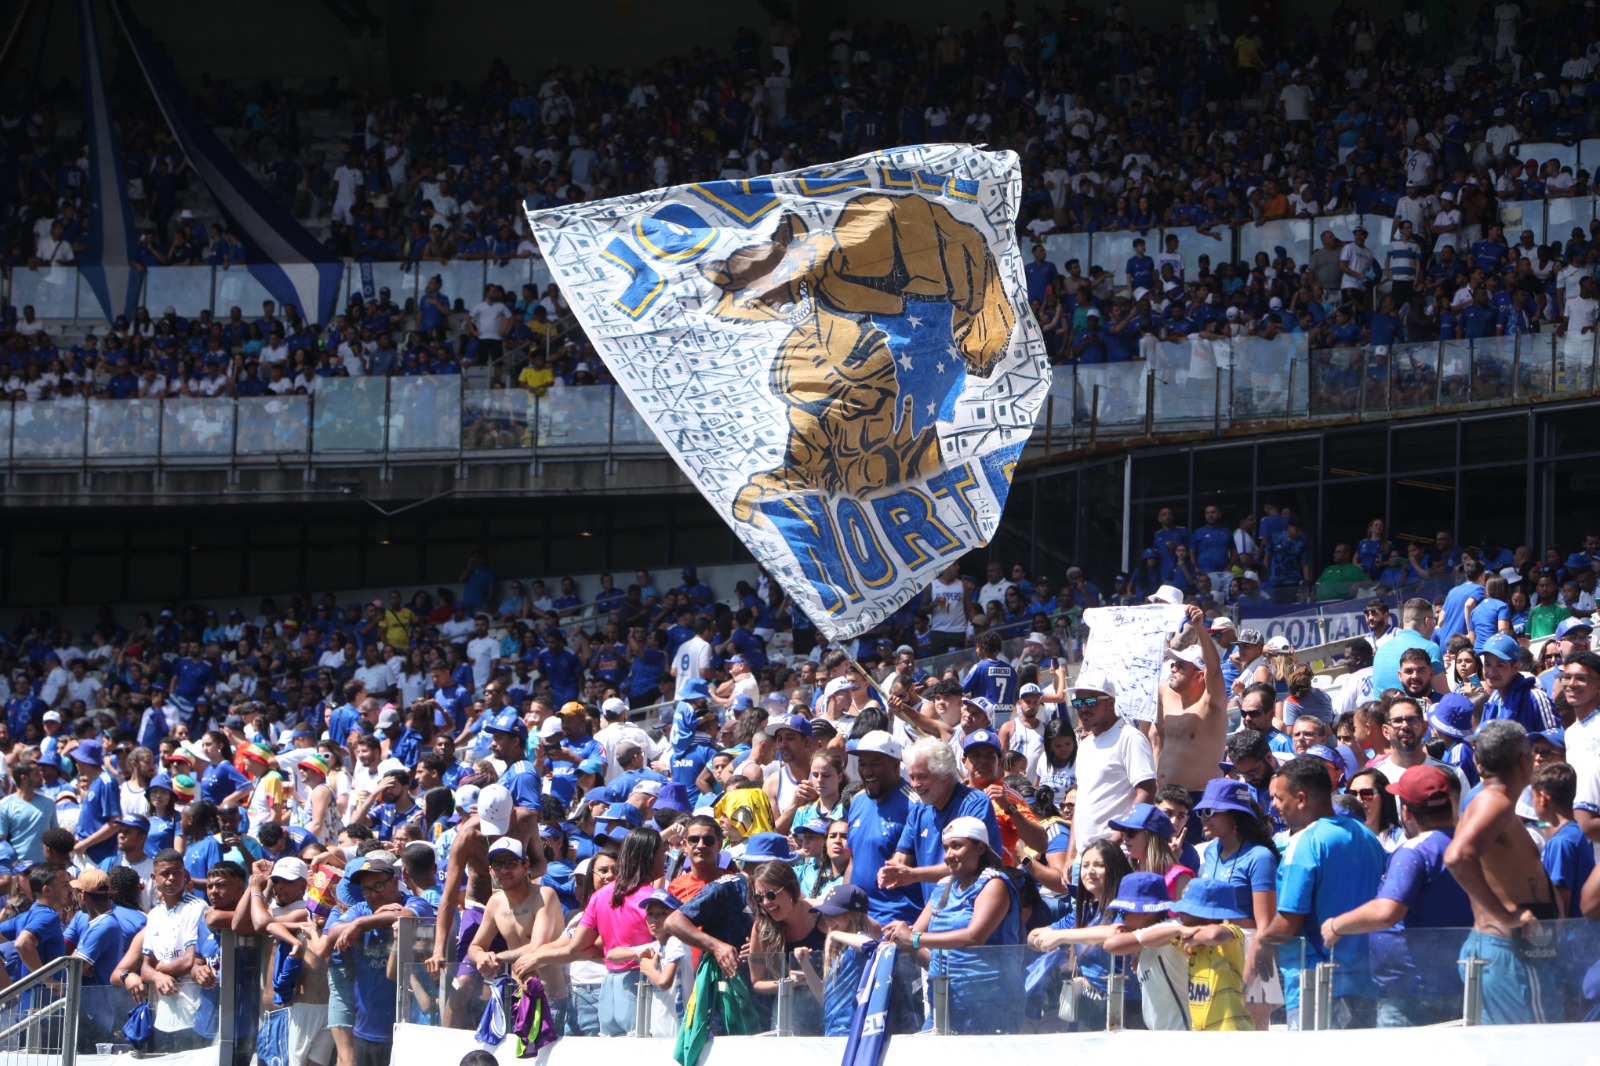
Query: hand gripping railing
point(43, 1008)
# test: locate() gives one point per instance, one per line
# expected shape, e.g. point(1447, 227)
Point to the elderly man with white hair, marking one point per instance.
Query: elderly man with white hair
point(919, 856)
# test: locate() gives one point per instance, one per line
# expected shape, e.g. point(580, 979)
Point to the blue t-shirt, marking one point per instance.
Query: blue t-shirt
point(1417, 877)
point(993, 680)
point(564, 775)
point(1253, 868)
point(221, 781)
point(374, 989)
point(385, 817)
point(1453, 616)
point(103, 944)
point(1210, 545)
point(1386, 663)
point(455, 701)
point(923, 836)
point(45, 925)
point(644, 676)
point(1486, 619)
point(875, 828)
point(564, 671)
point(524, 784)
point(23, 823)
point(1569, 859)
point(1332, 866)
point(102, 803)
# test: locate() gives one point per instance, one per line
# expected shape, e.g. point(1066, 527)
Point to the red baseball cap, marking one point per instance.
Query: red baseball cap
point(1423, 786)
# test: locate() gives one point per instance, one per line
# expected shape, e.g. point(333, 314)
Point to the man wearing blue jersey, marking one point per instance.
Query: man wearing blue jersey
point(508, 739)
point(991, 677)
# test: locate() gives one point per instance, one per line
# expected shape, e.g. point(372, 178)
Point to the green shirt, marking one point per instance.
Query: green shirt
point(1334, 582)
point(1543, 619)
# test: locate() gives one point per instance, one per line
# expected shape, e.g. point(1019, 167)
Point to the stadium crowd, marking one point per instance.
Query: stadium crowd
point(1119, 129)
point(601, 788)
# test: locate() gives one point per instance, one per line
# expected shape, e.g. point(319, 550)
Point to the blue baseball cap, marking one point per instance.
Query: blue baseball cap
point(1556, 738)
point(818, 826)
point(598, 794)
point(981, 738)
point(741, 702)
point(1144, 817)
point(983, 704)
point(1502, 646)
point(592, 766)
point(788, 721)
point(133, 821)
point(623, 814)
point(696, 689)
point(842, 899)
point(663, 897)
point(740, 659)
point(507, 722)
point(1569, 624)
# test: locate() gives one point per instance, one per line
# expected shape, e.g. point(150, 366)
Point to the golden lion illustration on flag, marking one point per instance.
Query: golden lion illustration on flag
point(898, 290)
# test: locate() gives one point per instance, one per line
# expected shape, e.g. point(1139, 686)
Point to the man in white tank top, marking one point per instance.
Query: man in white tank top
point(787, 786)
point(1024, 731)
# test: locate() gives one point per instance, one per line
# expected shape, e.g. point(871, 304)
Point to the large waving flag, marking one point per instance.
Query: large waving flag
point(106, 261)
point(841, 359)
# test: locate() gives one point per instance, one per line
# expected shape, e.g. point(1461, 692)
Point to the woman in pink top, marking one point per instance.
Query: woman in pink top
point(613, 918)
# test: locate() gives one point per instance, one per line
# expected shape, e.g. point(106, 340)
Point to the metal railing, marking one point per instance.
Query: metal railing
point(39, 1015)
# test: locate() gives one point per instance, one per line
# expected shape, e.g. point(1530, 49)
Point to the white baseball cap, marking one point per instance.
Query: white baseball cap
point(1037, 638)
point(614, 708)
point(1191, 655)
point(551, 727)
point(648, 788)
point(392, 766)
point(467, 799)
point(838, 685)
point(1095, 681)
point(1167, 594)
point(53, 716)
point(877, 742)
point(1029, 690)
point(508, 844)
point(290, 869)
point(1279, 644)
point(966, 827)
point(494, 809)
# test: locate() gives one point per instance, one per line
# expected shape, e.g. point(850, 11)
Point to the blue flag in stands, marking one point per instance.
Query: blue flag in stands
point(869, 1028)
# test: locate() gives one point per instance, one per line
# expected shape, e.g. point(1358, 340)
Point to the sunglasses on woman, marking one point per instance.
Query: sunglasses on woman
point(767, 896)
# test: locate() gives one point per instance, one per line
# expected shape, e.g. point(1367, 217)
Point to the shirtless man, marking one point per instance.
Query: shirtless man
point(521, 914)
point(1191, 717)
point(469, 862)
point(1497, 864)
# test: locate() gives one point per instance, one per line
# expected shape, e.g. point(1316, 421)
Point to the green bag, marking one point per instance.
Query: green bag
point(729, 996)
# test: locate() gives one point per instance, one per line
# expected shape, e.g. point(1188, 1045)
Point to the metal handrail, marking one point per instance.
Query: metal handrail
point(69, 1005)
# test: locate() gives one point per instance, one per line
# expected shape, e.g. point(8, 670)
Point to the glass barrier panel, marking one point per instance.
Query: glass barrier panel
point(1544, 151)
point(575, 415)
point(425, 413)
point(1376, 383)
point(186, 289)
point(628, 426)
point(1548, 972)
point(1519, 215)
point(1494, 361)
point(273, 425)
point(1260, 382)
point(403, 285)
point(510, 277)
point(5, 429)
point(1335, 380)
point(1062, 248)
point(51, 291)
point(48, 429)
point(1186, 378)
point(1111, 250)
point(1120, 390)
point(237, 287)
point(1292, 235)
point(197, 426)
point(1535, 365)
point(1216, 246)
point(1057, 410)
point(1574, 364)
point(497, 419)
point(124, 429)
point(463, 280)
point(347, 415)
point(1564, 214)
point(1413, 375)
point(1455, 371)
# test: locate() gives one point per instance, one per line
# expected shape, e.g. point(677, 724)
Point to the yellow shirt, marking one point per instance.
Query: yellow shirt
point(536, 381)
point(1216, 985)
point(397, 626)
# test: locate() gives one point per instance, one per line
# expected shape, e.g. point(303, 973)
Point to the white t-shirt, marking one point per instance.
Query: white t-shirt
point(1296, 100)
point(481, 653)
point(1583, 753)
point(167, 934)
point(948, 615)
point(1448, 216)
point(377, 678)
point(1581, 314)
point(1109, 766)
point(491, 319)
point(692, 660)
point(994, 590)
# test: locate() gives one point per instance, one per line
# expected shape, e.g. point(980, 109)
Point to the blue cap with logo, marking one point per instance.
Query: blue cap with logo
point(507, 722)
point(1502, 646)
point(981, 738)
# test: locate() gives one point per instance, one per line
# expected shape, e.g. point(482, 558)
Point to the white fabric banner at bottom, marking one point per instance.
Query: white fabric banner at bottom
point(419, 1045)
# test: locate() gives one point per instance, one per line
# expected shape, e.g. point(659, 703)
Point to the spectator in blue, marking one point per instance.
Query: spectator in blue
point(477, 582)
point(101, 796)
point(697, 590)
point(1212, 545)
point(36, 933)
point(25, 815)
point(561, 667)
point(1492, 614)
point(508, 740)
point(918, 860)
point(1140, 271)
point(1414, 973)
point(221, 781)
point(1460, 601)
point(1287, 557)
point(1333, 865)
point(1514, 695)
point(364, 934)
point(1041, 274)
point(1091, 344)
point(453, 697)
point(694, 722)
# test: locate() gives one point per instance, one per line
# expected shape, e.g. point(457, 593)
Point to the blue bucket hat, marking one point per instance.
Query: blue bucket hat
point(1452, 716)
point(673, 797)
point(1208, 898)
point(768, 847)
point(1225, 794)
point(696, 689)
point(1143, 893)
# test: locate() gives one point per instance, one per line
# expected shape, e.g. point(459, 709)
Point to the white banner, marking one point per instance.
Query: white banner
point(1128, 644)
point(842, 359)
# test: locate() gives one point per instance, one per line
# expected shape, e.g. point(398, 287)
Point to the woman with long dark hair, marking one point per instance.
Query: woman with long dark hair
point(614, 918)
point(1244, 856)
point(783, 921)
point(1382, 818)
point(1058, 767)
point(1085, 928)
